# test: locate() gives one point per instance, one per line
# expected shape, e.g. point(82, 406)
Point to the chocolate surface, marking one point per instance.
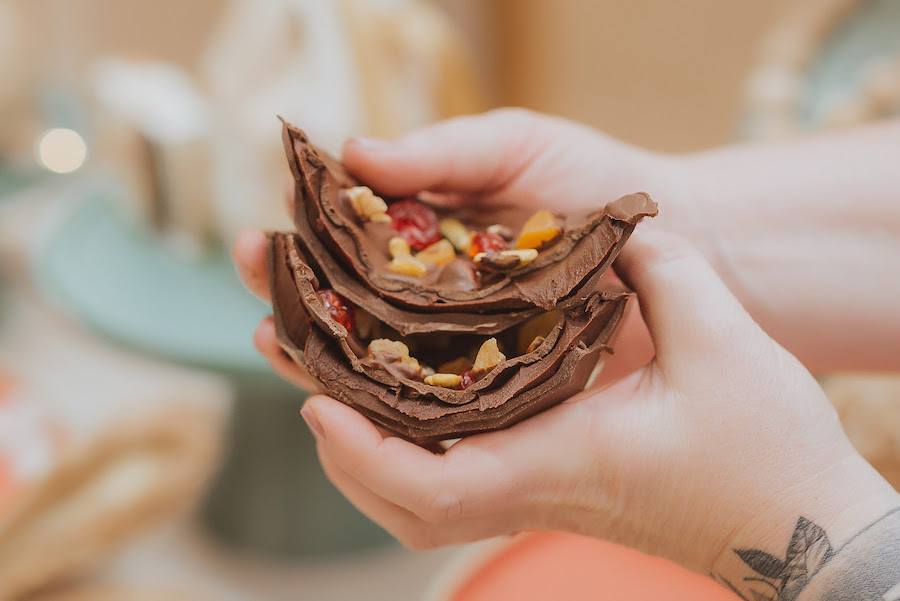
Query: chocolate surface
point(441, 314)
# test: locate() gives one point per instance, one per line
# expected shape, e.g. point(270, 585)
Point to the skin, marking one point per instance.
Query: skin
point(707, 435)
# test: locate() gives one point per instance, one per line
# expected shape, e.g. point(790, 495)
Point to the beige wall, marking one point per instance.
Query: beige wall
point(662, 73)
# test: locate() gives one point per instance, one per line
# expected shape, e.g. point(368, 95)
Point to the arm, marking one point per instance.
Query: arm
point(807, 234)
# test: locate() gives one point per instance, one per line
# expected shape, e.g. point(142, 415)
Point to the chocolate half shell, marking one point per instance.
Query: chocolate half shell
point(553, 317)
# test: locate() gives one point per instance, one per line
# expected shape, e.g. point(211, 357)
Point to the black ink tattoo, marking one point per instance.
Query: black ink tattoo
point(866, 568)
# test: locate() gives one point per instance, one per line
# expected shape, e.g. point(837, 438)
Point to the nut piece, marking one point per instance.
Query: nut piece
point(540, 229)
point(505, 260)
point(392, 351)
point(489, 356)
point(398, 247)
point(367, 206)
point(438, 254)
point(407, 265)
point(458, 235)
point(457, 366)
point(500, 230)
point(538, 340)
point(444, 380)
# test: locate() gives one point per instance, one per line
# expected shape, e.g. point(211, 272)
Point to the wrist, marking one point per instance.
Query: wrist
point(815, 520)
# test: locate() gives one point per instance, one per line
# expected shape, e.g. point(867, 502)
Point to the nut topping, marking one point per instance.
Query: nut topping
point(458, 235)
point(367, 206)
point(505, 260)
point(393, 351)
point(540, 229)
point(438, 254)
point(398, 247)
point(409, 266)
point(500, 230)
point(538, 341)
point(444, 380)
point(489, 356)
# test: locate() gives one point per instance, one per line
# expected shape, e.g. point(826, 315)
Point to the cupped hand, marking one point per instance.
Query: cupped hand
point(724, 436)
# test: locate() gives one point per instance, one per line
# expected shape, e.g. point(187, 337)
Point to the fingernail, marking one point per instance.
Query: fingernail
point(313, 422)
point(371, 144)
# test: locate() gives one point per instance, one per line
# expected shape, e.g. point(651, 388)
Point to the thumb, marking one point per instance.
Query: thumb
point(688, 309)
point(473, 154)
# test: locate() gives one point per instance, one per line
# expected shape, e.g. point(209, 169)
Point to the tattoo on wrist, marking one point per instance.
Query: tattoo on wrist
point(865, 568)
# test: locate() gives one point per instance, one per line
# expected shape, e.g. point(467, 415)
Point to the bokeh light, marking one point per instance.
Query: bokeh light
point(61, 150)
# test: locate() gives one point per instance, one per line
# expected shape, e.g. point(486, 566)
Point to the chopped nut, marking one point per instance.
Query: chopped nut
point(488, 357)
point(458, 235)
point(444, 380)
point(505, 260)
point(534, 344)
point(438, 254)
point(540, 228)
point(539, 326)
point(407, 265)
point(427, 371)
point(392, 351)
point(500, 230)
point(398, 247)
point(457, 366)
point(367, 206)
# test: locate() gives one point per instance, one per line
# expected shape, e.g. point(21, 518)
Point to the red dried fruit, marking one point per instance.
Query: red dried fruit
point(467, 379)
point(340, 309)
point(415, 222)
point(485, 242)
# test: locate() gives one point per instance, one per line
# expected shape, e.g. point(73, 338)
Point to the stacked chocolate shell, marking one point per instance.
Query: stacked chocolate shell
point(439, 323)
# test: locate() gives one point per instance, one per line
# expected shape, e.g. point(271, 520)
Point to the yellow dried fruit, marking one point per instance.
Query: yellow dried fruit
point(444, 380)
point(398, 247)
point(407, 265)
point(457, 366)
point(538, 340)
point(458, 235)
point(489, 356)
point(367, 206)
point(438, 254)
point(542, 227)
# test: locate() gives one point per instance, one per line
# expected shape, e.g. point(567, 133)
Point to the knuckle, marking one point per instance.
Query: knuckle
point(442, 506)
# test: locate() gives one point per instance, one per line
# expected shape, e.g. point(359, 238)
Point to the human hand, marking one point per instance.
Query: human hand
point(721, 442)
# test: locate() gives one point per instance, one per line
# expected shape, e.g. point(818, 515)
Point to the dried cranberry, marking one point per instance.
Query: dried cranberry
point(415, 222)
point(485, 242)
point(467, 379)
point(340, 309)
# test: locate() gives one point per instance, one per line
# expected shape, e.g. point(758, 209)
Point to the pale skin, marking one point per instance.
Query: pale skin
point(708, 434)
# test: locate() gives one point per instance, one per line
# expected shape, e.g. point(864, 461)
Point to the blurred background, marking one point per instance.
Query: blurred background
point(146, 451)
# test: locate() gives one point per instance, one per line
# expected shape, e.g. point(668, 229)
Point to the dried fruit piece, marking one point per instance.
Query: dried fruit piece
point(457, 366)
point(438, 254)
point(444, 380)
point(489, 356)
point(398, 247)
point(505, 260)
point(407, 265)
point(387, 351)
point(366, 205)
point(500, 230)
point(340, 309)
point(538, 341)
point(467, 378)
point(484, 242)
point(541, 228)
point(416, 222)
point(458, 234)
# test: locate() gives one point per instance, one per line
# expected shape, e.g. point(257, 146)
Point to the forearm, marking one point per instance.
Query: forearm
point(807, 234)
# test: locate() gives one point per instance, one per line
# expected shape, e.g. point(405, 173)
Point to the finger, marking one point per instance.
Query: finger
point(476, 474)
point(249, 254)
point(470, 154)
point(267, 344)
point(688, 310)
point(404, 525)
point(633, 348)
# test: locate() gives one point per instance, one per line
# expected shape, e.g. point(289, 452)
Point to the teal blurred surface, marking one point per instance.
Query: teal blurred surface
point(270, 495)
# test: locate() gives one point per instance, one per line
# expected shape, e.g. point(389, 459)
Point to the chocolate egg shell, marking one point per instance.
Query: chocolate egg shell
point(557, 299)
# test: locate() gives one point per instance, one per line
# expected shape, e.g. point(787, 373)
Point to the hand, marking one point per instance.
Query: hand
point(504, 156)
point(721, 441)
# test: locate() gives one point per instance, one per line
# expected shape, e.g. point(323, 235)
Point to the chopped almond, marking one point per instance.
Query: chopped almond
point(438, 254)
point(489, 356)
